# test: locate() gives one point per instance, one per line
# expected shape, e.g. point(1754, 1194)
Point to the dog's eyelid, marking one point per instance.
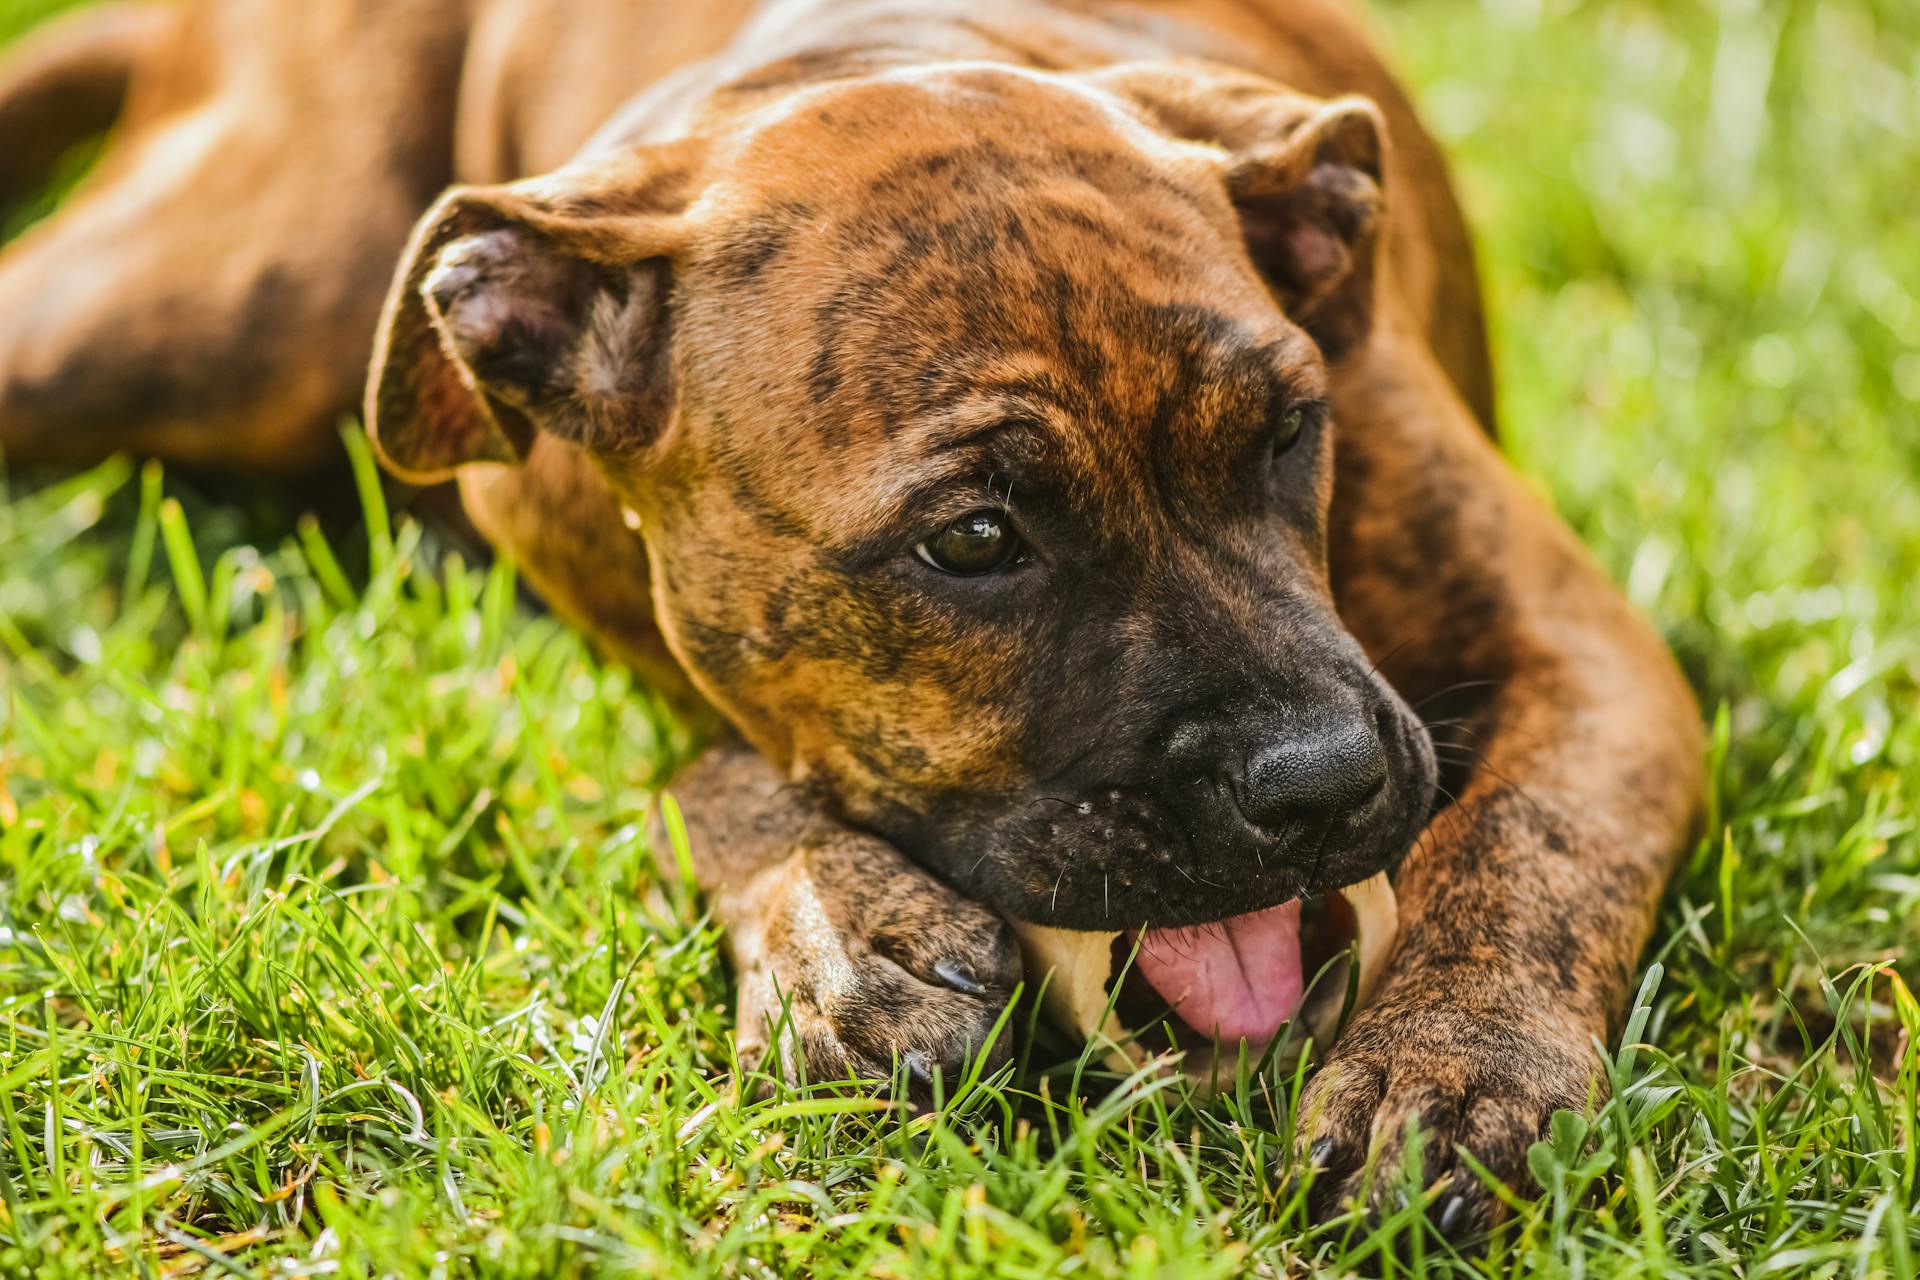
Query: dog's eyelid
point(943, 503)
point(969, 485)
point(1009, 429)
point(924, 511)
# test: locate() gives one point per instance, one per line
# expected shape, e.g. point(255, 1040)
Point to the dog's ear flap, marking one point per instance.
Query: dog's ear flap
point(537, 306)
point(1306, 176)
point(1311, 207)
point(425, 409)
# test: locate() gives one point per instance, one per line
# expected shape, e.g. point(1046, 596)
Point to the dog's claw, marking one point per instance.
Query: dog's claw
point(1453, 1215)
point(912, 977)
point(960, 976)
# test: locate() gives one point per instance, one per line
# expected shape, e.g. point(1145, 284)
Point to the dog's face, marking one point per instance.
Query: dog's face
point(975, 421)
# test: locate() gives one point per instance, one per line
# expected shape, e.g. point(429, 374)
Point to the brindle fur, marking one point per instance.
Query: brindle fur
point(1049, 243)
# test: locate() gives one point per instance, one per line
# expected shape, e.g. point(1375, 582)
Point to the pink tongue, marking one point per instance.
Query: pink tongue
point(1238, 979)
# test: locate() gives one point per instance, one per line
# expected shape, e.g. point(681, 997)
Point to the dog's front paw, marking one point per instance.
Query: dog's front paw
point(852, 956)
point(1466, 1078)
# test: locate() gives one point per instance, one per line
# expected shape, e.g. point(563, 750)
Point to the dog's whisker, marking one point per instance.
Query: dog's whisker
point(1078, 806)
point(1374, 670)
point(1461, 687)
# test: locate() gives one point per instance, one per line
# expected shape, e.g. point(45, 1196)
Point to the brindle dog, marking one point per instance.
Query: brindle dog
point(1054, 434)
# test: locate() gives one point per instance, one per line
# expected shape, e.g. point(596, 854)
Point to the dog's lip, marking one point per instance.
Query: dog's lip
point(1309, 895)
point(1307, 868)
point(1295, 888)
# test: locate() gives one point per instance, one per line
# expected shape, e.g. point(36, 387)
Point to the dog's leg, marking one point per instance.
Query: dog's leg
point(842, 948)
point(1526, 903)
point(209, 294)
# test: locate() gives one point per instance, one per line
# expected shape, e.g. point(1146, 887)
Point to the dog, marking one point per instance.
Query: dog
point(1048, 442)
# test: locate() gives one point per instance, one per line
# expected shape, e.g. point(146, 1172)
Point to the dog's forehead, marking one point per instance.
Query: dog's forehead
point(850, 404)
point(880, 297)
point(867, 154)
point(926, 340)
point(974, 240)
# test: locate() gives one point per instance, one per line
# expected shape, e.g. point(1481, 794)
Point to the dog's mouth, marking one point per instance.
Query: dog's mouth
point(1206, 989)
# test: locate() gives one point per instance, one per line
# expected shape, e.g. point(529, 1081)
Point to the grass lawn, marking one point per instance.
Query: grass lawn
point(331, 942)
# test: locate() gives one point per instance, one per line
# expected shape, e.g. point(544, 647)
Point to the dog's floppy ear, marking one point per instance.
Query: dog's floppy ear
point(1311, 207)
point(536, 306)
point(1305, 175)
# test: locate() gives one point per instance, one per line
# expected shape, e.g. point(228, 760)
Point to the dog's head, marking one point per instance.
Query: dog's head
point(976, 424)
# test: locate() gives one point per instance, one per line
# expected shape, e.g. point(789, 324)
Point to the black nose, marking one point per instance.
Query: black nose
point(1311, 770)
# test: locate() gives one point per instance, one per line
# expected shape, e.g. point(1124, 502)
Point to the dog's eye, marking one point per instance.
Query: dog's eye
point(978, 542)
point(1287, 431)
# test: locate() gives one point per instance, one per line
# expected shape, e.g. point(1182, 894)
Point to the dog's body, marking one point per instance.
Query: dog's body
point(802, 274)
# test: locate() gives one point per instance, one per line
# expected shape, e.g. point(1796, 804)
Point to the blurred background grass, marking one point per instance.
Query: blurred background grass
point(17, 15)
point(328, 942)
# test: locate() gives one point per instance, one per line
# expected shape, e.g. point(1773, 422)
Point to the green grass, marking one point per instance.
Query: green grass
point(331, 941)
